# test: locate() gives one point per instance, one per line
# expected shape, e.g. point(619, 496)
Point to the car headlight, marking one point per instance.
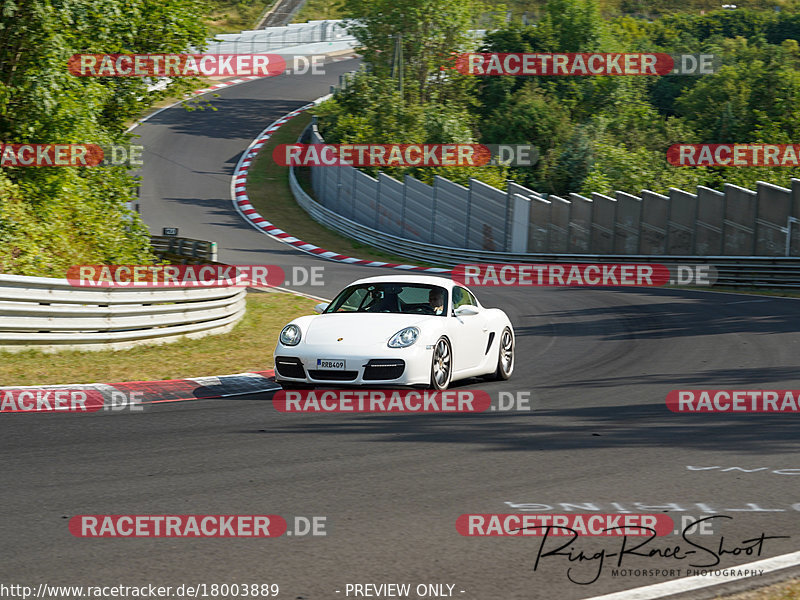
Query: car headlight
point(290, 336)
point(404, 338)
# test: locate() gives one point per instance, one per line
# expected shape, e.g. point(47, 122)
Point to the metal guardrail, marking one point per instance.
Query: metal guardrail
point(271, 39)
point(732, 271)
point(50, 314)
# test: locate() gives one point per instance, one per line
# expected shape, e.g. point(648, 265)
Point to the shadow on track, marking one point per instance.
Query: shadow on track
point(694, 314)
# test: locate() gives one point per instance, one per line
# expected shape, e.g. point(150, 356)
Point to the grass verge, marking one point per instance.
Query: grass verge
point(248, 347)
point(233, 16)
point(270, 194)
point(314, 10)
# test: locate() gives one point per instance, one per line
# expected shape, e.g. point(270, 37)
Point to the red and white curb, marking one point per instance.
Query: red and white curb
point(174, 390)
point(241, 203)
point(224, 84)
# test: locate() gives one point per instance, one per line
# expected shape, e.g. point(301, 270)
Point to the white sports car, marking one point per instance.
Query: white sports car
point(396, 330)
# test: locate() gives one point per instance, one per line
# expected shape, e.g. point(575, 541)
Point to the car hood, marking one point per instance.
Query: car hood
point(361, 329)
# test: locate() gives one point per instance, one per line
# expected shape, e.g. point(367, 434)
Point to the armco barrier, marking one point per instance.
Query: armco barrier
point(703, 223)
point(51, 314)
point(271, 39)
point(733, 271)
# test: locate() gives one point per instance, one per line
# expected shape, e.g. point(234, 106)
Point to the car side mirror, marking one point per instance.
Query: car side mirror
point(466, 310)
point(320, 308)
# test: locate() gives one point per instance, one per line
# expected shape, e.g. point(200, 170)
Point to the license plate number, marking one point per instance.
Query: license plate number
point(330, 364)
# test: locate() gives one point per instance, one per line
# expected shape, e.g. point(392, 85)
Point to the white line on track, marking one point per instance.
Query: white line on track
point(697, 582)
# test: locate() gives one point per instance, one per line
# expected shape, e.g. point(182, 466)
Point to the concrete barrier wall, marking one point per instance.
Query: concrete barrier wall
point(450, 215)
point(655, 214)
point(604, 210)
point(539, 230)
point(681, 222)
point(488, 218)
point(580, 225)
point(559, 224)
point(735, 222)
point(390, 204)
point(774, 204)
point(416, 224)
point(708, 226)
point(739, 225)
point(627, 223)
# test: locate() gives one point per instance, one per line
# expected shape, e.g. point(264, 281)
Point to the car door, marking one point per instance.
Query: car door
point(470, 331)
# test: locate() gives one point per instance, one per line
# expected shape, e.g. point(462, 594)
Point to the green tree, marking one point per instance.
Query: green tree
point(428, 31)
point(54, 217)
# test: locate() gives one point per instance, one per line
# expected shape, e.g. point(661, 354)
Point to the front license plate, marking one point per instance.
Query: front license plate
point(330, 364)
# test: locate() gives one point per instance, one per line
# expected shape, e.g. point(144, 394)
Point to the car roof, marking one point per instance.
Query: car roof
point(424, 279)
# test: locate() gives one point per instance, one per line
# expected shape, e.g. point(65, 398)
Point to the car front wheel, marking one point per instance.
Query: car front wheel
point(441, 365)
point(505, 355)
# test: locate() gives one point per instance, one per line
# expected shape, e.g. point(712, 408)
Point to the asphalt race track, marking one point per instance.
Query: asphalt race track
point(598, 364)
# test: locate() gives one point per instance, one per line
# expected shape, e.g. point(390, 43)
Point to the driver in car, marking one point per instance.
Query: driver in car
point(436, 300)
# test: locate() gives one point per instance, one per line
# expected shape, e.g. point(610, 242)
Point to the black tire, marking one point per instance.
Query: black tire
point(441, 364)
point(505, 356)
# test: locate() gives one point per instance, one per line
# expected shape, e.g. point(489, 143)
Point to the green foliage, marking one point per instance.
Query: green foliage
point(569, 26)
point(427, 32)
point(52, 217)
point(372, 110)
point(315, 10)
point(617, 168)
point(607, 133)
point(593, 133)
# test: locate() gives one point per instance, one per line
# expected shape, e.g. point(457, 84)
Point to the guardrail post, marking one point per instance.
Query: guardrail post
point(378, 205)
point(789, 222)
point(432, 236)
point(403, 211)
point(469, 210)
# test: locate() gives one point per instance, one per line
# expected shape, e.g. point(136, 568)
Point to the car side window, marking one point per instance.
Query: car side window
point(353, 301)
point(462, 297)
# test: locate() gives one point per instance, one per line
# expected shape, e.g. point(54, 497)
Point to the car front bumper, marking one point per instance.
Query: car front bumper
point(367, 367)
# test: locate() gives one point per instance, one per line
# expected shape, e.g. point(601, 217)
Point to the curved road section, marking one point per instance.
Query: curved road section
point(597, 365)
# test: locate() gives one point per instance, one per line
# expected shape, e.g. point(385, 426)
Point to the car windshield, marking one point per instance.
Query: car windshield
point(389, 297)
